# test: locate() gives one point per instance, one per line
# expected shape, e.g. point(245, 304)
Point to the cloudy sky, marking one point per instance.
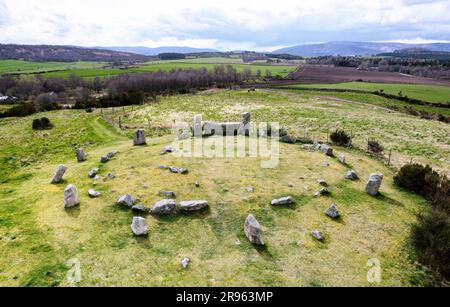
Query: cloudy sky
point(223, 25)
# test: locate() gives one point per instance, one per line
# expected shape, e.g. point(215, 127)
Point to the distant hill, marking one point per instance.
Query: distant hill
point(419, 53)
point(65, 54)
point(356, 48)
point(155, 51)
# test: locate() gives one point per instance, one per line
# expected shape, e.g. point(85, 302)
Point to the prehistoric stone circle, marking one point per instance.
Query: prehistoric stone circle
point(139, 138)
point(253, 230)
point(139, 226)
point(193, 205)
point(164, 207)
point(58, 177)
point(81, 156)
point(283, 201)
point(374, 184)
point(333, 212)
point(70, 197)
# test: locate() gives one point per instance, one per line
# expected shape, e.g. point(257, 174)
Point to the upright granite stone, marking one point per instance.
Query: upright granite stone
point(58, 177)
point(374, 184)
point(253, 230)
point(139, 226)
point(164, 207)
point(139, 138)
point(342, 159)
point(244, 128)
point(70, 197)
point(81, 156)
point(197, 127)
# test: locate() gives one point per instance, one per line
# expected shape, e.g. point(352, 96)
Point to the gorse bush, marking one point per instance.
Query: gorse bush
point(431, 235)
point(340, 138)
point(375, 147)
point(41, 124)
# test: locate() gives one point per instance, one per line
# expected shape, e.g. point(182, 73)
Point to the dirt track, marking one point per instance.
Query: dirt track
point(323, 74)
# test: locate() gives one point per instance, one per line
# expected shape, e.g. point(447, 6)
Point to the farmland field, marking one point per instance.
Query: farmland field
point(430, 93)
point(38, 236)
point(25, 67)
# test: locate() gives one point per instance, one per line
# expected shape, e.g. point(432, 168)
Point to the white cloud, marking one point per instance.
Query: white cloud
point(231, 24)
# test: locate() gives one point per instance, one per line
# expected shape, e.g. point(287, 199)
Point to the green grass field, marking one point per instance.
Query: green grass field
point(282, 71)
point(430, 93)
point(38, 237)
point(24, 67)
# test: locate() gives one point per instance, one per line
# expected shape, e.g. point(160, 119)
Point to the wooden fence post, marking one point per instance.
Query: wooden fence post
point(390, 155)
point(120, 122)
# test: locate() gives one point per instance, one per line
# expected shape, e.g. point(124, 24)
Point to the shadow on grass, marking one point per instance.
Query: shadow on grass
point(73, 212)
point(263, 251)
point(389, 200)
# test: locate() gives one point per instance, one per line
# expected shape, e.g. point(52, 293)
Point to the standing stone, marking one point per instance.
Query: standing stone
point(351, 175)
point(139, 226)
point(342, 159)
point(164, 207)
point(325, 149)
point(374, 184)
point(193, 205)
point(317, 235)
point(60, 171)
point(70, 197)
point(244, 128)
point(127, 201)
point(333, 212)
point(246, 117)
point(81, 156)
point(197, 126)
point(253, 230)
point(139, 138)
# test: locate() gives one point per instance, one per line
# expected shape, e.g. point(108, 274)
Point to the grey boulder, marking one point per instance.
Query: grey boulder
point(317, 235)
point(70, 197)
point(93, 194)
point(94, 172)
point(351, 175)
point(283, 201)
point(333, 212)
point(253, 230)
point(140, 208)
point(139, 138)
point(193, 205)
point(126, 201)
point(342, 159)
point(81, 156)
point(374, 184)
point(164, 207)
point(139, 226)
point(58, 177)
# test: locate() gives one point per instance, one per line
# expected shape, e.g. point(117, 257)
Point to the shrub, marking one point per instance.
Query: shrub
point(340, 138)
point(46, 102)
point(375, 147)
point(41, 124)
point(418, 179)
point(431, 238)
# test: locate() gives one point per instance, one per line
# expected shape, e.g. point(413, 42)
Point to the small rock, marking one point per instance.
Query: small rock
point(70, 197)
point(197, 184)
point(374, 184)
point(342, 159)
point(93, 194)
point(104, 159)
point(81, 156)
point(317, 194)
point(168, 194)
point(94, 172)
point(167, 150)
point(351, 175)
point(317, 235)
point(193, 205)
point(322, 182)
point(250, 190)
point(97, 177)
point(283, 201)
point(290, 185)
point(127, 201)
point(110, 176)
point(253, 230)
point(324, 192)
point(237, 242)
point(139, 138)
point(163, 167)
point(60, 171)
point(184, 136)
point(139, 226)
point(164, 207)
point(183, 171)
point(111, 154)
point(174, 170)
point(140, 208)
point(185, 262)
point(325, 164)
point(333, 212)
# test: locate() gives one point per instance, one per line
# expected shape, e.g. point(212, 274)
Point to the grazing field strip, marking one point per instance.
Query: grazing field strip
point(24, 67)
